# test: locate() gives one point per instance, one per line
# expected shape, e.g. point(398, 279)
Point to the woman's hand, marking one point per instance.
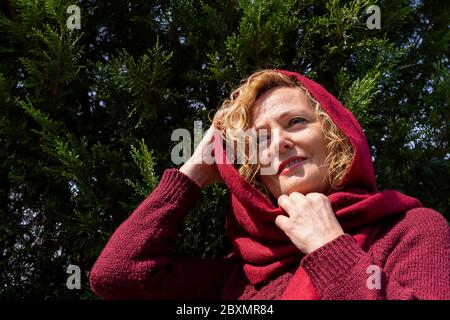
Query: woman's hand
point(311, 222)
point(201, 167)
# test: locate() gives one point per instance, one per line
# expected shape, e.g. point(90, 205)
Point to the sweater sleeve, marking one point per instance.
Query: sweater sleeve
point(138, 261)
point(416, 266)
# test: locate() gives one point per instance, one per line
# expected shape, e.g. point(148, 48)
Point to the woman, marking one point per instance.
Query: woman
point(306, 220)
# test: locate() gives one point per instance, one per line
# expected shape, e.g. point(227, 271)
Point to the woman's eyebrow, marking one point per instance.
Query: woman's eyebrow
point(284, 114)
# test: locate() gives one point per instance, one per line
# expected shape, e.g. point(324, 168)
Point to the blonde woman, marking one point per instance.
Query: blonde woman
point(306, 220)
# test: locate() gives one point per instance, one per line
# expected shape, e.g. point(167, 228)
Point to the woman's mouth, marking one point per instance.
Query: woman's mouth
point(291, 164)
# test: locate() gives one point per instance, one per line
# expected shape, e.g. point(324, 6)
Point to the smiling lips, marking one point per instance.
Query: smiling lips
point(290, 164)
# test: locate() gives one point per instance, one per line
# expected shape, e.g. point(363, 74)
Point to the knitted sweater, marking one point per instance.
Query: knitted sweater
point(408, 260)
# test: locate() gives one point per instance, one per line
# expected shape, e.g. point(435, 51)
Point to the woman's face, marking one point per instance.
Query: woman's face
point(293, 148)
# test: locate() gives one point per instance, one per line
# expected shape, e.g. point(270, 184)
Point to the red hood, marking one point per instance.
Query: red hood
point(361, 173)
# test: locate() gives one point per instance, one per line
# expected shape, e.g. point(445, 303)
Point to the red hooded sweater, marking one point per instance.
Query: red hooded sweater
point(393, 248)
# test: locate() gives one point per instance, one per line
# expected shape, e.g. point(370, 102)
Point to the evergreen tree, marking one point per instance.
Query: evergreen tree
point(86, 115)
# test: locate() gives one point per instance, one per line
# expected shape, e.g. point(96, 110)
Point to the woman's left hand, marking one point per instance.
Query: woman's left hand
point(311, 222)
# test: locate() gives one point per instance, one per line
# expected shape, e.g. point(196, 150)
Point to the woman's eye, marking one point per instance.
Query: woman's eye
point(297, 120)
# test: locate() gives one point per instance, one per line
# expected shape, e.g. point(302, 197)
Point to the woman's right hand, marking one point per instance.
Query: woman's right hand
point(200, 166)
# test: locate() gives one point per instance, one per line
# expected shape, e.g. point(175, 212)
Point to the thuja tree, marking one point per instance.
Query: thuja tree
point(86, 115)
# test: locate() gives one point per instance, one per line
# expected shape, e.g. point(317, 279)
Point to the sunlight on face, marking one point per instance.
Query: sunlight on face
point(296, 148)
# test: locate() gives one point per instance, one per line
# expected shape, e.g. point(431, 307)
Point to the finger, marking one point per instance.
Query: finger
point(218, 117)
point(283, 222)
point(209, 135)
point(297, 198)
point(208, 154)
point(214, 136)
point(286, 204)
point(316, 196)
point(318, 200)
point(207, 143)
point(283, 200)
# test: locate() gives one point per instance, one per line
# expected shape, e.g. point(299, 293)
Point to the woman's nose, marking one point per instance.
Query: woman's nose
point(284, 142)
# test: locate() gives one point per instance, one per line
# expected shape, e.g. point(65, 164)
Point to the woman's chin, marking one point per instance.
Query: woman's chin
point(300, 185)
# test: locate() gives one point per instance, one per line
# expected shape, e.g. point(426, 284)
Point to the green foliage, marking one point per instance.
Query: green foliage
point(86, 115)
point(358, 95)
point(204, 232)
point(143, 158)
point(142, 80)
point(263, 31)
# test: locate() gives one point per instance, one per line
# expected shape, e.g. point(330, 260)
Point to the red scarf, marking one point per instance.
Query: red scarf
point(264, 249)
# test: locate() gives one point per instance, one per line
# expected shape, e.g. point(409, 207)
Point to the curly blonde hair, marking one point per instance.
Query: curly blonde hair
point(235, 114)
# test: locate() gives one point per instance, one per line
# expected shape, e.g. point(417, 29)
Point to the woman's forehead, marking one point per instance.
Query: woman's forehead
point(277, 103)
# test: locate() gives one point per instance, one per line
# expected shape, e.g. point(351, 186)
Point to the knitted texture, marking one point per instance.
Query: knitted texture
point(392, 247)
point(411, 250)
point(137, 262)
